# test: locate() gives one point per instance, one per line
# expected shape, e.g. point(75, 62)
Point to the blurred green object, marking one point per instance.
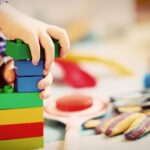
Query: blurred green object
point(10, 100)
point(19, 100)
point(1, 90)
point(18, 50)
point(8, 89)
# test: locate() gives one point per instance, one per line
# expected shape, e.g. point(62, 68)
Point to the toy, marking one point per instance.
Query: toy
point(21, 51)
point(26, 130)
point(77, 78)
point(139, 128)
point(133, 108)
point(27, 84)
point(92, 123)
point(25, 143)
point(18, 116)
point(75, 102)
point(120, 123)
point(21, 117)
point(147, 80)
point(74, 120)
point(100, 128)
point(7, 89)
point(30, 69)
point(19, 100)
point(132, 125)
point(21, 109)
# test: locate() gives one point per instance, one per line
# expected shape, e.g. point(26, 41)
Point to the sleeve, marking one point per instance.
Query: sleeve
point(3, 58)
point(2, 45)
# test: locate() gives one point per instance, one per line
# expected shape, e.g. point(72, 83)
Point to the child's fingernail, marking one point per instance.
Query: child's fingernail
point(35, 62)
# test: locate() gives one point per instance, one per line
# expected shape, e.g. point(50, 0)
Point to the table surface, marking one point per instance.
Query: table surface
point(108, 84)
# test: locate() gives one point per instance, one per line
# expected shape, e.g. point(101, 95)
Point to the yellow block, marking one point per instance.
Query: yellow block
point(22, 144)
point(25, 115)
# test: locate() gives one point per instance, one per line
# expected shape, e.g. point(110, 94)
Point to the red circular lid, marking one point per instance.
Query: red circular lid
point(74, 102)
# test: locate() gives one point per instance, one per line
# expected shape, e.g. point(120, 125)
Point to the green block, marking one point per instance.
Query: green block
point(21, 51)
point(20, 100)
point(7, 89)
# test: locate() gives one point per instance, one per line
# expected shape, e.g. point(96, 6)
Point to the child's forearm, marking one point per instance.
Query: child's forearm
point(7, 14)
point(4, 14)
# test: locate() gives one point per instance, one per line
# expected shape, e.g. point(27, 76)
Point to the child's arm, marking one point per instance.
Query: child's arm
point(16, 25)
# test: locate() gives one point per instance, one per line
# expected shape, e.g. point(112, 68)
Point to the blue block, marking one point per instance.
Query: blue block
point(26, 68)
point(147, 80)
point(27, 84)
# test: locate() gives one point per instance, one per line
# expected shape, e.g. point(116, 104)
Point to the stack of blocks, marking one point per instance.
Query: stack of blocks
point(21, 109)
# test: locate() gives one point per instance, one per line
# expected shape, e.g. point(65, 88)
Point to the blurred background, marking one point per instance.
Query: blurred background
point(103, 17)
point(116, 30)
point(110, 40)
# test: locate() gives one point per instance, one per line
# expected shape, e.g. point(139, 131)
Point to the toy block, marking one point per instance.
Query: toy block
point(22, 144)
point(19, 100)
point(26, 68)
point(19, 116)
point(21, 51)
point(16, 131)
point(27, 84)
point(146, 81)
point(7, 89)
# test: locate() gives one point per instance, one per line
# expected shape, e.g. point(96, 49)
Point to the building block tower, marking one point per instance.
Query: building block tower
point(21, 109)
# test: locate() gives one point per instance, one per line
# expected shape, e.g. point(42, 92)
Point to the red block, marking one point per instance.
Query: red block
point(16, 131)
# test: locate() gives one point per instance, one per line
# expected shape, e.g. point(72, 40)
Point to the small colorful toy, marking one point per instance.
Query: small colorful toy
point(21, 109)
point(75, 102)
point(132, 125)
point(120, 123)
point(75, 118)
point(139, 128)
point(18, 50)
point(78, 78)
point(147, 81)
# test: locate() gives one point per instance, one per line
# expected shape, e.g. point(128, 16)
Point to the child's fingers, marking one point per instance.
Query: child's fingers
point(35, 49)
point(61, 35)
point(48, 46)
point(45, 82)
point(46, 93)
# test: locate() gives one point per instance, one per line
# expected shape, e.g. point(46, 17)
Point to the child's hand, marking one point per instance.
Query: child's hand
point(15, 25)
point(44, 84)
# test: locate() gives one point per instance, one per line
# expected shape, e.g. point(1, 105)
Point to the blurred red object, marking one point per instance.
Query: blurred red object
point(74, 76)
point(74, 102)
